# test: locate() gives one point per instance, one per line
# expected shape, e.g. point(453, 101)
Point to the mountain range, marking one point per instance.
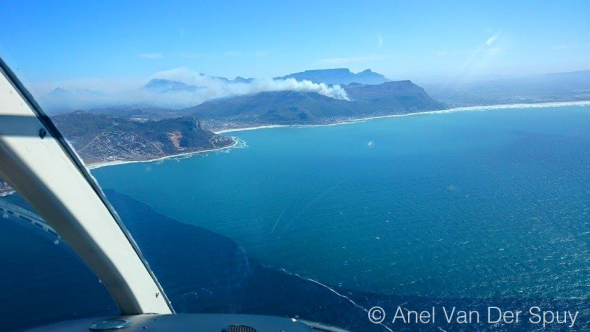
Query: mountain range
point(161, 98)
point(365, 94)
point(173, 94)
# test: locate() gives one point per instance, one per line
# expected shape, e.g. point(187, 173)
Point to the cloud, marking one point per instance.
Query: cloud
point(152, 56)
point(214, 87)
point(379, 41)
point(207, 88)
point(290, 84)
point(354, 59)
point(185, 75)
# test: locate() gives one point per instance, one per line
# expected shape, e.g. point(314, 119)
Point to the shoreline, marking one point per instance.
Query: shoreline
point(178, 155)
point(450, 110)
point(345, 122)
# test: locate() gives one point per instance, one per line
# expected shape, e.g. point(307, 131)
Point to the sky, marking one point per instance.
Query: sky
point(117, 44)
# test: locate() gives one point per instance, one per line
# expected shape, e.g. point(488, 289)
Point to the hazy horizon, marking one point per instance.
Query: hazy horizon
point(104, 84)
point(117, 46)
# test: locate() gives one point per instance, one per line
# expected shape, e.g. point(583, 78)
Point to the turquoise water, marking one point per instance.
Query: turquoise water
point(464, 204)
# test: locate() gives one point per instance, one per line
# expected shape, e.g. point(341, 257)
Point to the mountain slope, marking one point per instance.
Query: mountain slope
point(290, 107)
point(275, 107)
point(393, 97)
point(338, 76)
point(100, 138)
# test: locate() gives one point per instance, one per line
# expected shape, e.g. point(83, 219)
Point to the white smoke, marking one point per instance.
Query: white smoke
point(207, 88)
point(217, 88)
point(290, 84)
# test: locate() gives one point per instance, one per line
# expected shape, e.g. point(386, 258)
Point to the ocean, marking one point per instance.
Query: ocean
point(470, 209)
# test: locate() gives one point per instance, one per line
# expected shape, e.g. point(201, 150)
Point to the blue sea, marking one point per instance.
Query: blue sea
point(468, 209)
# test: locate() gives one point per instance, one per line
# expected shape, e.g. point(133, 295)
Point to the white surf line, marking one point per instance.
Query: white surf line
point(523, 105)
point(173, 156)
point(223, 131)
point(450, 110)
point(456, 110)
point(343, 122)
point(335, 292)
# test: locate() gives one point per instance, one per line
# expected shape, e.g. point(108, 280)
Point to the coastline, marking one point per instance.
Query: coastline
point(178, 155)
point(345, 122)
point(450, 110)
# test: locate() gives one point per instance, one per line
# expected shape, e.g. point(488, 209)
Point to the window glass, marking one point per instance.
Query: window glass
point(43, 280)
point(319, 160)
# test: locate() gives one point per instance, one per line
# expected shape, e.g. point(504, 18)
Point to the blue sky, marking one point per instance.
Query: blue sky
point(83, 41)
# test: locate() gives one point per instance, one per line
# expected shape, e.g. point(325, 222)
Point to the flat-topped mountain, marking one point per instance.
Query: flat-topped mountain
point(338, 76)
point(101, 138)
point(162, 85)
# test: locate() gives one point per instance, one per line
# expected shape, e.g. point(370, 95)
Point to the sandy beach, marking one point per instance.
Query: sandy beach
point(178, 155)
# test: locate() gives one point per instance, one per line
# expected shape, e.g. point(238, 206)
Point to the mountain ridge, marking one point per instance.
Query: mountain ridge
point(338, 76)
point(295, 107)
point(163, 85)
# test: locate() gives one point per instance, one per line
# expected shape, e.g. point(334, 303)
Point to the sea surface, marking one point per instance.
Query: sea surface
point(471, 208)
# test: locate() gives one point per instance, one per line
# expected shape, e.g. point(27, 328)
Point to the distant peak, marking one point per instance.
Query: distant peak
point(58, 92)
point(332, 70)
point(156, 81)
point(339, 76)
point(165, 85)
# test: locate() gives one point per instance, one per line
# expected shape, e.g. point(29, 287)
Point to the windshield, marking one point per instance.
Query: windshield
point(365, 170)
point(43, 278)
